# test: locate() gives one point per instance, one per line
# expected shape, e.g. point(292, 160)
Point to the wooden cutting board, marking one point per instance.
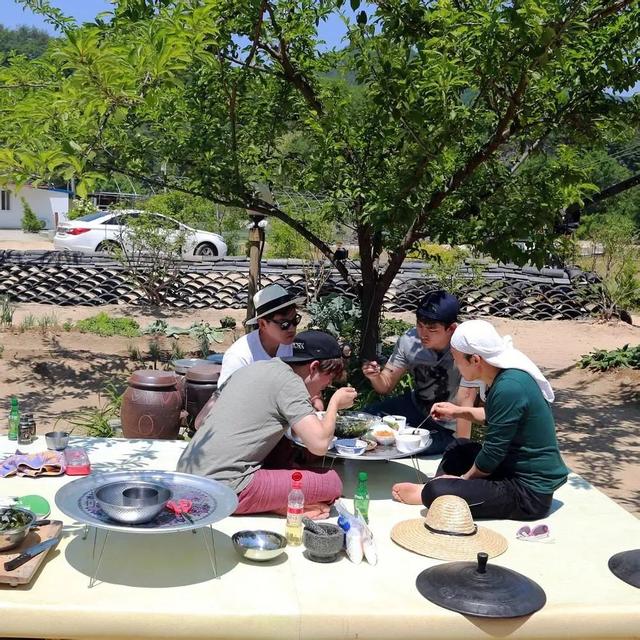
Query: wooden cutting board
point(25, 573)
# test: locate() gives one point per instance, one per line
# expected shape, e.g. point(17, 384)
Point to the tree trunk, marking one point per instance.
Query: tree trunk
point(256, 236)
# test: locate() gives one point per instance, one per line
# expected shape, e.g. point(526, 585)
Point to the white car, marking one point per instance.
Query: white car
point(104, 231)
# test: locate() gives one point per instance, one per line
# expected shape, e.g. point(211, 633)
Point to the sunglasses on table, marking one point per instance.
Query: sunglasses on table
point(285, 324)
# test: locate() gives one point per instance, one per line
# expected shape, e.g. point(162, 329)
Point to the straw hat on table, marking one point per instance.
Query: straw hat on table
point(448, 533)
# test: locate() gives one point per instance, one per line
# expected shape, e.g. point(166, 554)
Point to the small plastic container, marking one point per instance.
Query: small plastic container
point(77, 461)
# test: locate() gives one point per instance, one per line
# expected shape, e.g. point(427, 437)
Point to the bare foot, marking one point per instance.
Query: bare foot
point(315, 511)
point(407, 492)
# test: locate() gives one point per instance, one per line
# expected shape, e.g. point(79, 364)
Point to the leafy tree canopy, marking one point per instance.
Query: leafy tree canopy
point(460, 121)
point(25, 41)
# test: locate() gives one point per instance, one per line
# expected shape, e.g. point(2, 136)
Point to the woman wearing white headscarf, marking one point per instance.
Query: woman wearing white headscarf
point(514, 473)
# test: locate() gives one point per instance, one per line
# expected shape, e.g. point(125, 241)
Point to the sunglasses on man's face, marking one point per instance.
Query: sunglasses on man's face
point(285, 324)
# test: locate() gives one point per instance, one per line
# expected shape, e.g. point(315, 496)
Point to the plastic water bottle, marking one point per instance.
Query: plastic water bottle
point(295, 508)
point(361, 497)
point(14, 419)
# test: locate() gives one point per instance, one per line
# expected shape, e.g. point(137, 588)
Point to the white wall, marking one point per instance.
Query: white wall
point(45, 205)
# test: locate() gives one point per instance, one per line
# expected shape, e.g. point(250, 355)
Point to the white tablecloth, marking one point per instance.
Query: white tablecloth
point(162, 586)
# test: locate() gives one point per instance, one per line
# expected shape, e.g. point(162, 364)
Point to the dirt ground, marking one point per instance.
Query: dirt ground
point(598, 415)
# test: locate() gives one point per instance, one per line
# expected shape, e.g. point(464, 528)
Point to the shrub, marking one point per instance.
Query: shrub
point(81, 207)
point(30, 222)
point(602, 360)
point(102, 325)
point(7, 310)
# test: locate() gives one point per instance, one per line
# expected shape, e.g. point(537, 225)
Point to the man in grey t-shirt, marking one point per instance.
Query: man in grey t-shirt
point(255, 408)
point(424, 353)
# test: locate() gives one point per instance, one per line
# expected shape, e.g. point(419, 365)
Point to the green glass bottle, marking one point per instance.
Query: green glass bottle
point(14, 419)
point(361, 497)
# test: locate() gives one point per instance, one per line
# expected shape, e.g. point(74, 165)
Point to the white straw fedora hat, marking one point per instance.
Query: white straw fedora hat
point(448, 533)
point(270, 299)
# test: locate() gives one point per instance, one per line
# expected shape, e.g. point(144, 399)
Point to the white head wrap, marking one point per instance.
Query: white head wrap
point(479, 337)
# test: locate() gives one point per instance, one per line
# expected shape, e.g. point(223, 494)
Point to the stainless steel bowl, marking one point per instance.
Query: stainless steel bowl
point(132, 502)
point(258, 545)
point(57, 440)
point(10, 538)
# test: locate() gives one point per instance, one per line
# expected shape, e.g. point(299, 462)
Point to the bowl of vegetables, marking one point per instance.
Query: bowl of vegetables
point(353, 424)
point(15, 524)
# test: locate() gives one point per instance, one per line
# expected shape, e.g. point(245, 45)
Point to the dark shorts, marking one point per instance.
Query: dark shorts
point(498, 496)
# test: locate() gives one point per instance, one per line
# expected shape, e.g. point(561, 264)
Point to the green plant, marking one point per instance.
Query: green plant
point(134, 353)
point(392, 327)
point(47, 322)
point(28, 322)
point(1, 350)
point(103, 325)
point(450, 267)
point(338, 315)
point(619, 263)
point(7, 310)
point(98, 422)
point(30, 222)
point(81, 207)
point(228, 322)
point(176, 351)
point(155, 352)
point(603, 360)
point(67, 325)
point(204, 334)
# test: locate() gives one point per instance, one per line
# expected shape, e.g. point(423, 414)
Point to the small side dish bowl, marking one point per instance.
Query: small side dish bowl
point(384, 435)
point(407, 443)
point(350, 446)
point(425, 435)
point(15, 523)
point(260, 545)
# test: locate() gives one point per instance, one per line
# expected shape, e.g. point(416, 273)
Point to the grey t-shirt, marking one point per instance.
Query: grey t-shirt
point(254, 410)
point(436, 377)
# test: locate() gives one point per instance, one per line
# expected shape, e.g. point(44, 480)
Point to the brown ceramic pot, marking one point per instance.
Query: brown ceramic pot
point(201, 383)
point(151, 405)
point(180, 367)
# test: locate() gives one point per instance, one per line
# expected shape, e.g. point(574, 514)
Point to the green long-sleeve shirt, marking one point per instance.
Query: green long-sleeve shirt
point(521, 434)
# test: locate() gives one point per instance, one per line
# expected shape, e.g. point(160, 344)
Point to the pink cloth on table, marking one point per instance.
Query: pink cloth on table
point(269, 489)
point(43, 463)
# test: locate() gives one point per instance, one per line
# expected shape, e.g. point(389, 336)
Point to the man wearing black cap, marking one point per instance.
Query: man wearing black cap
point(256, 407)
point(424, 352)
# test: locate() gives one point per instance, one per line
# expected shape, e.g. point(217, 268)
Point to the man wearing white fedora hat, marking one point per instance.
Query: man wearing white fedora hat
point(276, 319)
point(515, 471)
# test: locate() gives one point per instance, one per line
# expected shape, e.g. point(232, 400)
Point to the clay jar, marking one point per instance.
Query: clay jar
point(151, 405)
point(181, 367)
point(202, 382)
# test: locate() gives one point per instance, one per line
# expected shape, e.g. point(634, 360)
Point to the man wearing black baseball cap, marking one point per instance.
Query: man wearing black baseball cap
point(424, 352)
point(258, 404)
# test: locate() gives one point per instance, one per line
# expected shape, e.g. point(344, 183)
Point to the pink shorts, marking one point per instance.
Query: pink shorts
point(269, 489)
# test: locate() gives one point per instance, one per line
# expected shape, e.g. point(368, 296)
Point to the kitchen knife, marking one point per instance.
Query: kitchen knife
point(31, 552)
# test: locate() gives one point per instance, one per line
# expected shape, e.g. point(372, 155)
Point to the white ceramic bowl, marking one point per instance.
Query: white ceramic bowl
point(406, 443)
point(384, 435)
point(425, 435)
point(350, 446)
point(395, 422)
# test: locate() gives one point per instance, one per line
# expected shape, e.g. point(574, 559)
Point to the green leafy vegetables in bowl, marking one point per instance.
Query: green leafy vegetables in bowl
point(353, 424)
point(13, 519)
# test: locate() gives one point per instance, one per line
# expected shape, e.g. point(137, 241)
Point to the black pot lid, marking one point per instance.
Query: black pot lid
point(626, 566)
point(475, 589)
